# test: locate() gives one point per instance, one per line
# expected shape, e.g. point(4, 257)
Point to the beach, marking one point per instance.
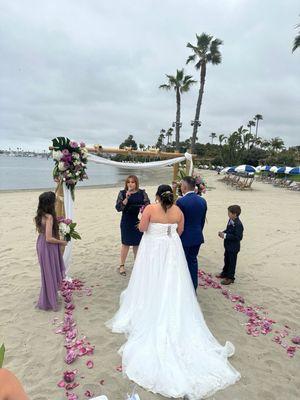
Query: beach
point(268, 275)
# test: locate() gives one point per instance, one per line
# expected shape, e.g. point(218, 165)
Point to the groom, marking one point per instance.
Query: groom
point(194, 209)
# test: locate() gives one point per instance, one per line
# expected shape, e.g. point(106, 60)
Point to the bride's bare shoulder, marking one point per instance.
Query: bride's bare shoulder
point(177, 209)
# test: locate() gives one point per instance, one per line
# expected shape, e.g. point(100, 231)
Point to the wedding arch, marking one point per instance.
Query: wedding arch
point(71, 160)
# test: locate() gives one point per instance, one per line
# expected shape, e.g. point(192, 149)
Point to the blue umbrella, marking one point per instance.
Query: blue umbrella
point(245, 168)
point(231, 169)
point(295, 171)
point(284, 170)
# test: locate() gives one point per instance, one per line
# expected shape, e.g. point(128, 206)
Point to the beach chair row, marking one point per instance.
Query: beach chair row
point(286, 182)
point(238, 181)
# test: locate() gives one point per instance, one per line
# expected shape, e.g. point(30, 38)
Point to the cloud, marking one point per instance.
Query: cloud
point(91, 70)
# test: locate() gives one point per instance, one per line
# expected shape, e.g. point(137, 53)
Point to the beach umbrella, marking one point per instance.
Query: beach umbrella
point(265, 168)
point(224, 170)
point(258, 168)
point(245, 168)
point(231, 169)
point(294, 171)
point(283, 170)
point(274, 169)
point(227, 169)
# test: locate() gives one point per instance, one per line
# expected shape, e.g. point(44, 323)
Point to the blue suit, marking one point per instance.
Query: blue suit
point(234, 235)
point(194, 209)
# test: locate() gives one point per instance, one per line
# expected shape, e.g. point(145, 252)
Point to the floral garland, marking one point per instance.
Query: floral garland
point(70, 160)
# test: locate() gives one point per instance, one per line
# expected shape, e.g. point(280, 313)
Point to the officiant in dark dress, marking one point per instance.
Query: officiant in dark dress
point(130, 201)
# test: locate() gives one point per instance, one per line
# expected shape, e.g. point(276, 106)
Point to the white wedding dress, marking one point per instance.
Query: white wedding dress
point(169, 348)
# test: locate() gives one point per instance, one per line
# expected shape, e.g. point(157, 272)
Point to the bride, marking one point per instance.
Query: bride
point(169, 348)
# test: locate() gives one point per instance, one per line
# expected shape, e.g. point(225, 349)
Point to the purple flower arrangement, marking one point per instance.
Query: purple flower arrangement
point(70, 160)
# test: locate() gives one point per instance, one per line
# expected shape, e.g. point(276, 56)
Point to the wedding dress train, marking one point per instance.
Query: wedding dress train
point(169, 348)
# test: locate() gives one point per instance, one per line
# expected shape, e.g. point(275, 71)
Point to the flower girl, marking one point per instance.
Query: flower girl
point(48, 251)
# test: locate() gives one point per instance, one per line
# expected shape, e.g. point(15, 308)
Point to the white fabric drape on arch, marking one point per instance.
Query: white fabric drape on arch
point(145, 165)
point(68, 201)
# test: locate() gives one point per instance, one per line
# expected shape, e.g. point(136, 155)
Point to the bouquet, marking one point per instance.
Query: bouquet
point(67, 229)
point(70, 160)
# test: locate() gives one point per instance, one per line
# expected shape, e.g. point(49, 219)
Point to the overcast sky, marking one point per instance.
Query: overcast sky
point(90, 69)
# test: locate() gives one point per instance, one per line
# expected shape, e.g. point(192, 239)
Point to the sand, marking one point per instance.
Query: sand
point(268, 274)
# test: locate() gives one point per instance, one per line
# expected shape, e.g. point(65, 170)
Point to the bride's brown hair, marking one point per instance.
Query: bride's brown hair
point(166, 196)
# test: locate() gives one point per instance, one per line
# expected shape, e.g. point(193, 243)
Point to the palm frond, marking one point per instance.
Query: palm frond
point(198, 65)
point(296, 42)
point(165, 87)
point(187, 85)
point(172, 80)
point(191, 58)
point(203, 41)
point(179, 75)
point(216, 58)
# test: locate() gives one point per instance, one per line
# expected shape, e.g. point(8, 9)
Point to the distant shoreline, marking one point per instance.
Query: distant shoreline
point(104, 186)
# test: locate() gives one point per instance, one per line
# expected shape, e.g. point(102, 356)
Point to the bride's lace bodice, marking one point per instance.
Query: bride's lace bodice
point(159, 229)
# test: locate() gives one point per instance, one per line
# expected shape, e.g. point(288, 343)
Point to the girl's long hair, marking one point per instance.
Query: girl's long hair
point(46, 206)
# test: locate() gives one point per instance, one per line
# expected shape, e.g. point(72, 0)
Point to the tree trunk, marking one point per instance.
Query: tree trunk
point(198, 107)
point(178, 102)
point(256, 129)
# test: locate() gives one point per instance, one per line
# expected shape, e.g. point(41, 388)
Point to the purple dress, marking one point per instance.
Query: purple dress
point(52, 272)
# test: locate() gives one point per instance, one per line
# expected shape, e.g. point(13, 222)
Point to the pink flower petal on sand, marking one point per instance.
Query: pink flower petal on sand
point(61, 384)
point(88, 393)
point(102, 382)
point(71, 386)
point(70, 306)
point(90, 364)
point(71, 396)
point(119, 368)
point(82, 351)
point(296, 340)
point(69, 376)
point(291, 351)
point(70, 357)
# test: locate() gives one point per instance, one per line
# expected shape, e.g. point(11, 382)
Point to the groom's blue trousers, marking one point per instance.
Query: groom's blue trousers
point(191, 253)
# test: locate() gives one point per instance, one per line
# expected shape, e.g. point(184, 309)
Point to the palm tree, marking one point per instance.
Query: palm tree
point(180, 83)
point(257, 141)
point(206, 51)
point(239, 136)
point(169, 134)
point(277, 144)
point(248, 139)
point(257, 118)
point(160, 139)
point(212, 136)
point(265, 144)
point(250, 124)
point(222, 138)
point(297, 39)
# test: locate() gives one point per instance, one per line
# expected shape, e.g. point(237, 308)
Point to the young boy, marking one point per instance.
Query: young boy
point(232, 236)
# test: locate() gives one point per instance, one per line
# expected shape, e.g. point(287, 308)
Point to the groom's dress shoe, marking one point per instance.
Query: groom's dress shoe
point(227, 281)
